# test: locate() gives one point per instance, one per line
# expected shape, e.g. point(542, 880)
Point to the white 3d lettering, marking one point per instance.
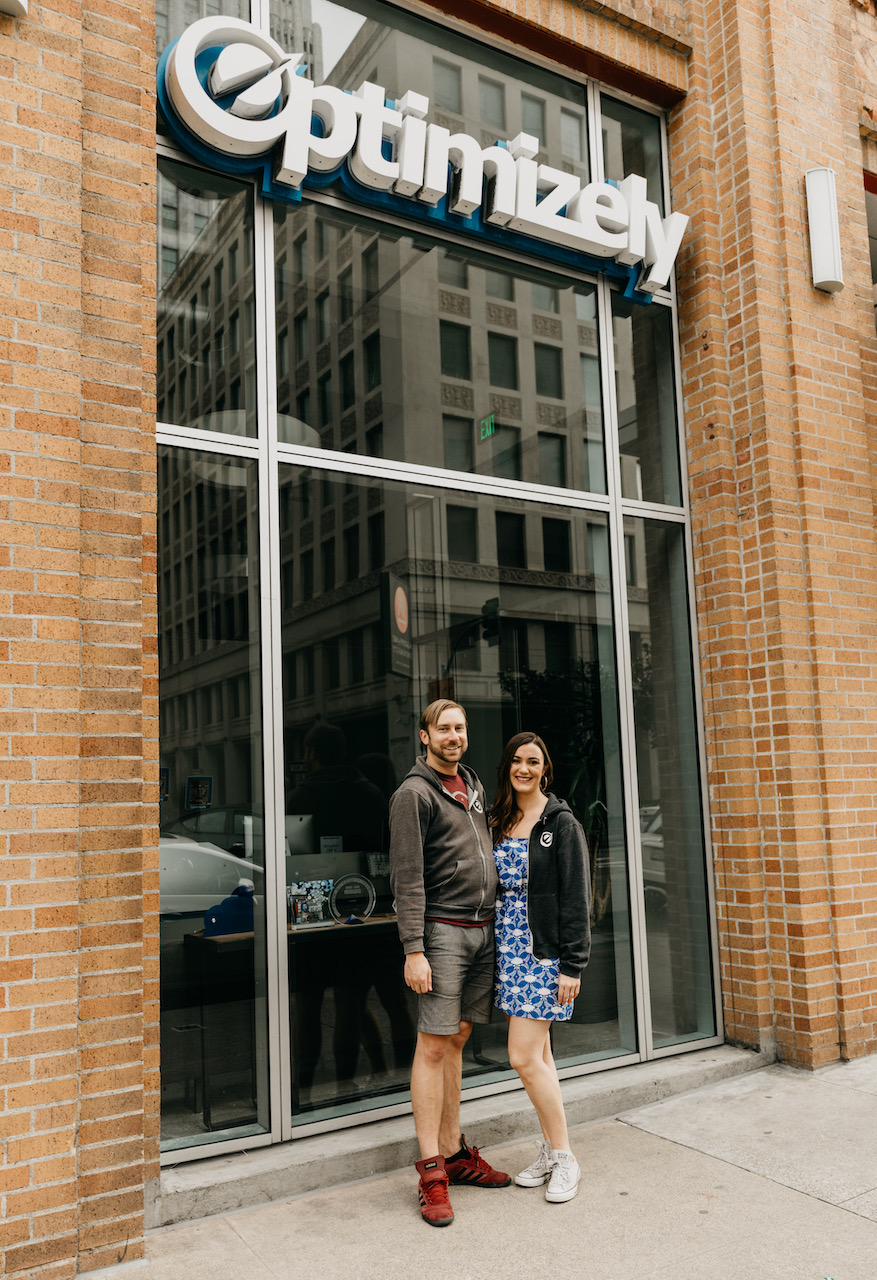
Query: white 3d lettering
point(426, 162)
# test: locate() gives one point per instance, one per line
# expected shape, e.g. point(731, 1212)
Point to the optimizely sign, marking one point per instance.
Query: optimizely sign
point(235, 99)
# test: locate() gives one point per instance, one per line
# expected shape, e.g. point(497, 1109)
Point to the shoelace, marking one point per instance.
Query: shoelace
point(435, 1191)
point(477, 1160)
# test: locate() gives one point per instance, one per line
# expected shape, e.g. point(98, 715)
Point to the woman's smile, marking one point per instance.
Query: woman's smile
point(526, 773)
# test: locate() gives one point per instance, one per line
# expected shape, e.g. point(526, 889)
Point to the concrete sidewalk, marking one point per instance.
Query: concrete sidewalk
point(767, 1176)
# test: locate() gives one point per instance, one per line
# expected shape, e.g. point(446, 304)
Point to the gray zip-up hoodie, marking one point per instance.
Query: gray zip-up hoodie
point(441, 856)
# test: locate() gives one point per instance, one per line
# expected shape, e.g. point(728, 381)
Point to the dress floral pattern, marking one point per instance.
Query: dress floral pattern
point(525, 987)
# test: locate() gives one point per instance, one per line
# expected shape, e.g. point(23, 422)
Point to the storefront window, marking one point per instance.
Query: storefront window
point(508, 611)
point(632, 144)
point(670, 807)
point(173, 16)
point(212, 876)
point(205, 378)
point(472, 88)
point(421, 397)
point(646, 392)
point(428, 344)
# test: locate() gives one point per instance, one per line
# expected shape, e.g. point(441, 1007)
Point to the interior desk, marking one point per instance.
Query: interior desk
point(350, 961)
point(223, 972)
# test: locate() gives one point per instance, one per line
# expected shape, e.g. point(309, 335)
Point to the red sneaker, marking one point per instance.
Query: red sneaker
point(473, 1170)
point(434, 1203)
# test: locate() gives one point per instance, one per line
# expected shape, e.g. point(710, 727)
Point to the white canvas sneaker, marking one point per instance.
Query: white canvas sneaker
point(565, 1174)
point(537, 1172)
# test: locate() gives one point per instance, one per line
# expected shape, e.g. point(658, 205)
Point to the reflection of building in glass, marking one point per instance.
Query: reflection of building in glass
point(173, 16)
point(209, 626)
point(291, 24)
point(340, 536)
point(293, 28)
point(393, 346)
point(206, 309)
point(469, 95)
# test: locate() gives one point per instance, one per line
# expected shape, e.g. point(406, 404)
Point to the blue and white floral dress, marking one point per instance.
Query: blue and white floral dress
point(525, 987)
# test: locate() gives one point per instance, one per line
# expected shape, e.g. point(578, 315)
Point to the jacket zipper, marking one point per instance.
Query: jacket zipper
point(466, 807)
point(481, 853)
point(529, 838)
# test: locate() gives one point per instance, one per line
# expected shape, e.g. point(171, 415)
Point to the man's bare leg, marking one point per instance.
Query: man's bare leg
point(449, 1127)
point(428, 1090)
point(436, 1077)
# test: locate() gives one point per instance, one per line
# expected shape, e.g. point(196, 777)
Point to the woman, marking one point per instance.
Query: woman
point(542, 940)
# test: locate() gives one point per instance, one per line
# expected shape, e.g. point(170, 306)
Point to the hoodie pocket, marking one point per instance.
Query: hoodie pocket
point(433, 885)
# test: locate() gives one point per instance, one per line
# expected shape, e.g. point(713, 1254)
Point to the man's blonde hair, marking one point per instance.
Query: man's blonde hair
point(438, 708)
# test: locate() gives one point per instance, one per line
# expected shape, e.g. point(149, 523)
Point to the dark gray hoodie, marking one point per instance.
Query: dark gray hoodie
point(441, 857)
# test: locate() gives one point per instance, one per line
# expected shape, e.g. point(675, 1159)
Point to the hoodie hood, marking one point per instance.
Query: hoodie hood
point(553, 807)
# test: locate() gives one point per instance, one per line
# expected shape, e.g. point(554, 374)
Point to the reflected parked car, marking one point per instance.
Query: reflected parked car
point(651, 820)
point(234, 828)
point(195, 875)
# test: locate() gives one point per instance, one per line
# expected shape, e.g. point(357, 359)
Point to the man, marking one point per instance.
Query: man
point(342, 800)
point(443, 877)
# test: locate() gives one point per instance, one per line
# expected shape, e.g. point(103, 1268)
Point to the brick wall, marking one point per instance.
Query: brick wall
point(605, 39)
point(777, 383)
point(779, 436)
point(77, 712)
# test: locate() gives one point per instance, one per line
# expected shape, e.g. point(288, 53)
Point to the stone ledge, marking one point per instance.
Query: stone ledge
point(209, 1187)
point(660, 30)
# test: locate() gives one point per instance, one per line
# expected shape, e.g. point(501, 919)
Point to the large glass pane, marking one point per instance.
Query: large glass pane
point(457, 340)
point(206, 350)
point(471, 87)
point(504, 607)
point(646, 391)
point(214, 1065)
point(670, 814)
point(173, 16)
point(632, 144)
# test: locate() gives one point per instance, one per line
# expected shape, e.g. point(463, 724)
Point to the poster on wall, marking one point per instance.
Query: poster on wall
point(307, 902)
point(199, 792)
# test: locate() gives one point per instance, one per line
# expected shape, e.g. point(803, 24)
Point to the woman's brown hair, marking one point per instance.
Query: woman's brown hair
point(504, 810)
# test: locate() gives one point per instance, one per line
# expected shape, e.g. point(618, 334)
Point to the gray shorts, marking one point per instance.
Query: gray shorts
point(462, 960)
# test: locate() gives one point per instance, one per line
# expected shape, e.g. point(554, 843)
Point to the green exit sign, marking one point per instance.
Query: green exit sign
point(487, 427)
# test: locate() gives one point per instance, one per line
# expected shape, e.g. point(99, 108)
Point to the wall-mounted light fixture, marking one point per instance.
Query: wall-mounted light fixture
point(824, 230)
point(17, 8)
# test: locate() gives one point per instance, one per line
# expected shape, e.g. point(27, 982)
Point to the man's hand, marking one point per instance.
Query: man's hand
point(417, 973)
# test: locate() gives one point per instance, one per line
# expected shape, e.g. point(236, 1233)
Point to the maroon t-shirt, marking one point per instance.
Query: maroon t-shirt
point(455, 787)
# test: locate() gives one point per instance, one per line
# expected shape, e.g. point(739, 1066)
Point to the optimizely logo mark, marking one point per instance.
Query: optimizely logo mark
point(229, 89)
point(234, 98)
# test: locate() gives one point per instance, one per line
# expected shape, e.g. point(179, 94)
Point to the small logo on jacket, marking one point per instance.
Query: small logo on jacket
point(477, 806)
point(546, 839)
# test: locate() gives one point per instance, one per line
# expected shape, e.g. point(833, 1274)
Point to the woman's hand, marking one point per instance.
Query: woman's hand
point(567, 989)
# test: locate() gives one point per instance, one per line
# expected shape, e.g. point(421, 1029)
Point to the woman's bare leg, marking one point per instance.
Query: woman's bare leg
point(530, 1055)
